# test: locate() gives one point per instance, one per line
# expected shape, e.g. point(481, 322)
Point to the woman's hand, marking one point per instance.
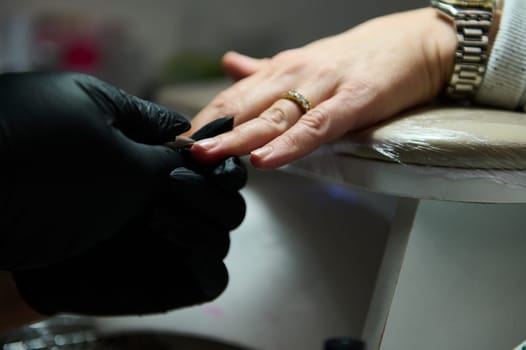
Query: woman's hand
point(352, 80)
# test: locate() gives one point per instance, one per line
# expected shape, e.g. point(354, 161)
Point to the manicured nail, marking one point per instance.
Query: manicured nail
point(208, 144)
point(262, 152)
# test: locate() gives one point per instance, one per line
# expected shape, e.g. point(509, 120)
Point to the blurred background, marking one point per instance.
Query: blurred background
point(134, 43)
point(304, 262)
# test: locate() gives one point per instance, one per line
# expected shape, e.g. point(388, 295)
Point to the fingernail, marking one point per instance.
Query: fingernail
point(208, 144)
point(262, 152)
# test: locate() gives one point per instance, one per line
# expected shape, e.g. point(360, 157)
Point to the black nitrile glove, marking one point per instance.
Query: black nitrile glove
point(80, 158)
point(168, 257)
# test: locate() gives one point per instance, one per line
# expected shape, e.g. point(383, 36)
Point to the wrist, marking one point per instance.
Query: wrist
point(439, 41)
point(14, 311)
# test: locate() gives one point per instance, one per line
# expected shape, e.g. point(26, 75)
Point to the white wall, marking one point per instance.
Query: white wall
point(261, 28)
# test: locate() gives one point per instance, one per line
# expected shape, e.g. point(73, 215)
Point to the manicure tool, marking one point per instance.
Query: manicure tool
point(180, 142)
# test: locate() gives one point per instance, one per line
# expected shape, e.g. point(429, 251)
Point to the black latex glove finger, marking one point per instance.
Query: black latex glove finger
point(214, 128)
point(229, 175)
point(210, 192)
point(200, 194)
point(140, 120)
point(132, 273)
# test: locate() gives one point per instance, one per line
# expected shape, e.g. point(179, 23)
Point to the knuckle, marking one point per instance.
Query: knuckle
point(360, 98)
point(328, 69)
point(226, 104)
point(291, 142)
point(288, 62)
point(314, 128)
point(361, 91)
point(276, 118)
point(316, 121)
point(285, 55)
point(235, 135)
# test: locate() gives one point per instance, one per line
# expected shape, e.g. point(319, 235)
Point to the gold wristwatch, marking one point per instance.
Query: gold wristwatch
point(475, 21)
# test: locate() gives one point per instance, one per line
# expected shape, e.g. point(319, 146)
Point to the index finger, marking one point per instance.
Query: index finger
point(243, 100)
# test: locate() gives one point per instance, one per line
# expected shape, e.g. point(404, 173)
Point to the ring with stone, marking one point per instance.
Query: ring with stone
point(300, 100)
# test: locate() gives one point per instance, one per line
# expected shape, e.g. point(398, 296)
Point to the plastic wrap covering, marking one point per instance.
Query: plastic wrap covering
point(464, 154)
point(450, 137)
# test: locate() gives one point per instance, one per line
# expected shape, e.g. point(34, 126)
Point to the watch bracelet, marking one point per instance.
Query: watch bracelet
point(471, 57)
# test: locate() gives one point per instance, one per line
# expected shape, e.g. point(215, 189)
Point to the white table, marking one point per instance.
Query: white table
point(453, 274)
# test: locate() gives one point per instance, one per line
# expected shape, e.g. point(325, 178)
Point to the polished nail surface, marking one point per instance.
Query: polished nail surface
point(208, 144)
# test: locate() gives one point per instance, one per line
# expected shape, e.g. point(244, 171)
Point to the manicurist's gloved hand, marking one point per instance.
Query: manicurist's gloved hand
point(169, 256)
point(80, 159)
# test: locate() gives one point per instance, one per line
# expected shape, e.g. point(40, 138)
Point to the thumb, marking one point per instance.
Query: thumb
point(238, 66)
point(214, 128)
point(160, 159)
point(147, 122)
point(140, 120)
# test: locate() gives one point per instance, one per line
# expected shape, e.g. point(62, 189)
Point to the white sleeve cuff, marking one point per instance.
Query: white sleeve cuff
point(504, 83)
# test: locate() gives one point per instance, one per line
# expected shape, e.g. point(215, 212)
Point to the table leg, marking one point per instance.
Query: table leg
point(453, 277)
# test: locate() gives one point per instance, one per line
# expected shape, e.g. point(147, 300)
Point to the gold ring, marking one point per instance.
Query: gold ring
point(298, 99)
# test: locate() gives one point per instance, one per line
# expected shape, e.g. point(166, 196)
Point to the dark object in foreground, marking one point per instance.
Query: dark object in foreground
point(343, 344)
